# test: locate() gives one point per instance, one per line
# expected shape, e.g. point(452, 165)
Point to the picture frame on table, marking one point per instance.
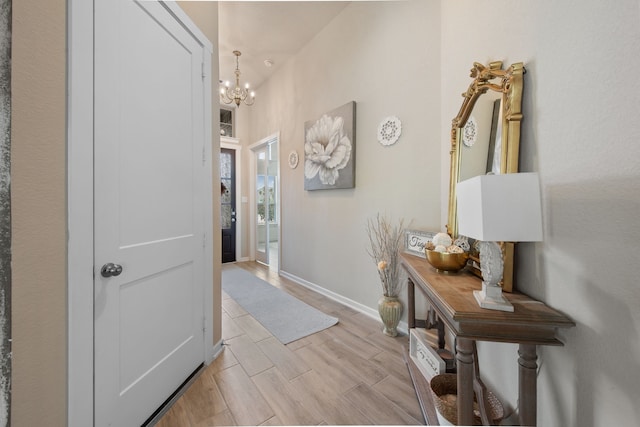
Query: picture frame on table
point(416, 240)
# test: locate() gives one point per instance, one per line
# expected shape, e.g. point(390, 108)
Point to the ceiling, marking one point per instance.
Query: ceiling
point(267, 30)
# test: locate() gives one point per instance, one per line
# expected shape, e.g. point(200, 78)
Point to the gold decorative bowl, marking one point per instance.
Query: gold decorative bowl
point(445, 262)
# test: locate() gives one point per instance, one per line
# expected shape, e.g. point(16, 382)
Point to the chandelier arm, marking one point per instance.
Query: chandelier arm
point(224, 96)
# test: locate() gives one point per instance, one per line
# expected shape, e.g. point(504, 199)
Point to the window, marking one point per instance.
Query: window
point(226, 122)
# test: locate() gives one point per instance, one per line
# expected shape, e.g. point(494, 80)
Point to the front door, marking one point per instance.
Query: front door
point(228, 204)
point(149, 176)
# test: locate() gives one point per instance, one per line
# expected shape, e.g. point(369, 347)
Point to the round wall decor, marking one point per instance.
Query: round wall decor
point(293, 159)
point(389, 130)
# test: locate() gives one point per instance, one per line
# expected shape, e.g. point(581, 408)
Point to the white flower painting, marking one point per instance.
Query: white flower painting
point(329, 150)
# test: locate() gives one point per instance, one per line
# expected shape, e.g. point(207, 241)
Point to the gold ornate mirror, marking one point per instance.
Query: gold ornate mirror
point(485, 136)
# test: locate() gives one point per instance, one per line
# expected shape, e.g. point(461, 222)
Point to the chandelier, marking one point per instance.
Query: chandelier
point(237, 94)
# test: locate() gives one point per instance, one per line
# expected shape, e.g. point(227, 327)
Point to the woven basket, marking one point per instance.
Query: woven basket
point(444, 388)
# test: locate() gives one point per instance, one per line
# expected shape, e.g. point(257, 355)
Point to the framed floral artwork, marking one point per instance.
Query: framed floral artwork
point(329, 149)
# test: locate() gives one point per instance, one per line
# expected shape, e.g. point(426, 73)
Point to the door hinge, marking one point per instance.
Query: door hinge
point(204, 157)
point(204, 72)
point(204, 325)
point(204, 241)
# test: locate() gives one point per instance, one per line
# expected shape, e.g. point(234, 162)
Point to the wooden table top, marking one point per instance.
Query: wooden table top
point(531, 321)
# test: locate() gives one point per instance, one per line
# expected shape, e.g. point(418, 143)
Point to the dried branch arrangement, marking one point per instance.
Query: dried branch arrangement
point(385, 243)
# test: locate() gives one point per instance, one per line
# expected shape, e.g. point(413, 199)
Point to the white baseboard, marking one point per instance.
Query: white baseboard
point(215, 351)
point(371, 312)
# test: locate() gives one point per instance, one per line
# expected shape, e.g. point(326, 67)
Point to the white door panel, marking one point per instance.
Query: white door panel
point(148, 190)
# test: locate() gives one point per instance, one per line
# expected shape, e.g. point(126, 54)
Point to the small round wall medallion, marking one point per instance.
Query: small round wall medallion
point(389, 130)
point(470, 132)
point(293, 159)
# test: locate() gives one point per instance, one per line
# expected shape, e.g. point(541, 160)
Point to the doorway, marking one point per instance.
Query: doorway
point(266, 202)
point(228, 204)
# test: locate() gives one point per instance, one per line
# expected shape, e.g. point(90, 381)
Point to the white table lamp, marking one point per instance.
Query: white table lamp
point(498, 208)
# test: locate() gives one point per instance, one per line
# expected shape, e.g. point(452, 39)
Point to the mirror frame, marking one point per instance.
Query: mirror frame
point(509, 83)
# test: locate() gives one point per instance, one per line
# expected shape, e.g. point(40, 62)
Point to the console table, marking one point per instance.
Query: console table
point(532, 323)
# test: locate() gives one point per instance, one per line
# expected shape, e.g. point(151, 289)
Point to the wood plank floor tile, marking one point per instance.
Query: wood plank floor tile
point(361, 325)
point(317, 338)
point(402, 394)
point(252, 359)
point(298, 292)
point(282, 398)
point(393, 366)
point(230, 328)
point(224, 360)
point(367, 371)
point(332, 308)
point(321, 399)
point(286, 360)
point(377, 407)
point(364, 348)
point(203, 399)
point(252, 328)
point(348, 374)
point(243, 398)
point(273, 421)
point(336, 375)
point(232, 308)
point(389, 344)
point(176, 416)
point(222, 419)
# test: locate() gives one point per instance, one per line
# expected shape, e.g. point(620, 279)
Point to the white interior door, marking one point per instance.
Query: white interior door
point(266, 201)
point(148, 200)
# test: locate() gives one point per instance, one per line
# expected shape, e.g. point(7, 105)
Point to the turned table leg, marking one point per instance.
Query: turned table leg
point(464, 356)
point(411, 296)
point(441, 340)
point(527, 391)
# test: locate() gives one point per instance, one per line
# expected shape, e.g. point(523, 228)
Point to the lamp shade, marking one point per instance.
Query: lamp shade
point(500, 208)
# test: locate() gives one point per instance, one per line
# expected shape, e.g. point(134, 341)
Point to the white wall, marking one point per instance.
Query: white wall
point(412, 59)
point(580, 133)
point(385, 57)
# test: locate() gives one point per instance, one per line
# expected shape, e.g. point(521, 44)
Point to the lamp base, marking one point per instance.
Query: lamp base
point(490, 297)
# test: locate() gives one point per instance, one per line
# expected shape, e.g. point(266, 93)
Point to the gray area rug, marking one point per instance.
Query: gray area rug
point(285, 316)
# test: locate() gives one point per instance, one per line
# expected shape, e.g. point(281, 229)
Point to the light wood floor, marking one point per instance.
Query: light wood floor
point(350, 373)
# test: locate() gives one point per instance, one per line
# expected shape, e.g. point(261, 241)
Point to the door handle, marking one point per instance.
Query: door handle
point(111, 269)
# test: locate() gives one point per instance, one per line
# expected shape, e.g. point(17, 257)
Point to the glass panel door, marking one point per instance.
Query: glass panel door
point(266, 204)
point(262, 253)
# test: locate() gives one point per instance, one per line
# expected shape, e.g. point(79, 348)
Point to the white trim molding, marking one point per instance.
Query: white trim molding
point(373, 313)
point(80, 213)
